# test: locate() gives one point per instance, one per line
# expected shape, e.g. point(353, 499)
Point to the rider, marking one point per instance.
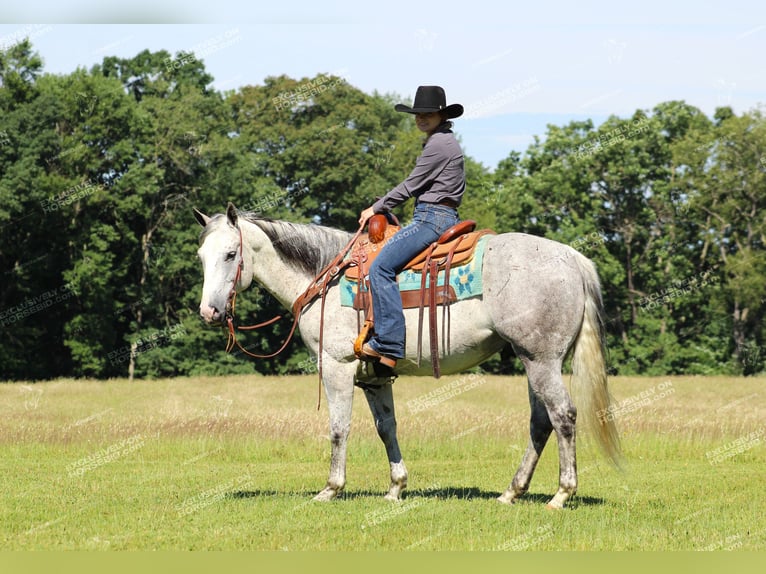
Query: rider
point(437, 183)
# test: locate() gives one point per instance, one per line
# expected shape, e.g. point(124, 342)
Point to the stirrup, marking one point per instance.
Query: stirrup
point(371, 355)
point(364, 334)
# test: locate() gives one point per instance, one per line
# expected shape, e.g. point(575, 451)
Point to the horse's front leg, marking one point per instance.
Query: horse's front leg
point(339, 389)
point(381, 401)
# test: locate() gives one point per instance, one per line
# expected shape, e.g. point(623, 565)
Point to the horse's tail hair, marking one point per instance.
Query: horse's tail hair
point(589, 380)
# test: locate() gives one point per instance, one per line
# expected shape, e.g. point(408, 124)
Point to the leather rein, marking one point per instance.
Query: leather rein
point(318, 287)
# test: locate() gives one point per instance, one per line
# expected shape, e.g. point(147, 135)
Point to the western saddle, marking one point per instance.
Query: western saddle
point(455, 247)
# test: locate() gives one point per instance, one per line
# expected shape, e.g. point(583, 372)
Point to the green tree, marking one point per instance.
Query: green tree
point(610, 193)
point(174, 132)
point(322, 144)
point(20, 67)
point(722, 173)
point(35, 299)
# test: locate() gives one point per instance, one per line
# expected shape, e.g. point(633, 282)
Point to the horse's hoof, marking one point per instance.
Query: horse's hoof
point(395, 491)
point(326, 495)
point(553, 506)
point(507, 498)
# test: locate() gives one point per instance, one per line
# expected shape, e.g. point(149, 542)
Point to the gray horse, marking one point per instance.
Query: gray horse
point(540, 296)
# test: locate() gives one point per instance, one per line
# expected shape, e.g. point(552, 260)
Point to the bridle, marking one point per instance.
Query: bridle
point(230, 319)
point(318, 288)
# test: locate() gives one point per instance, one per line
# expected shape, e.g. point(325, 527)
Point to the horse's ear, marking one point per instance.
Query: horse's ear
point(231, 214)
point(201, 218)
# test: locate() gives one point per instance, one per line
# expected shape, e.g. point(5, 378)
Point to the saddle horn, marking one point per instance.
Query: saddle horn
point(376, 228)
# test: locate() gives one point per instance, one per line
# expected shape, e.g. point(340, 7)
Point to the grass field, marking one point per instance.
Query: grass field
point(232, 464)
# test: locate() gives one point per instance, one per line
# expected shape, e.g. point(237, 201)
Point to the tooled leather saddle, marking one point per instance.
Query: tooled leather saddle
point(455, 247)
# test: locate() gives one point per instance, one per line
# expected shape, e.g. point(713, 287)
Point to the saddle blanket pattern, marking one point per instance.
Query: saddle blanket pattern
point(465, 279)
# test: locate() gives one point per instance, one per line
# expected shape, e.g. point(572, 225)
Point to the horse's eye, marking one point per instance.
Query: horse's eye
point(231, 255)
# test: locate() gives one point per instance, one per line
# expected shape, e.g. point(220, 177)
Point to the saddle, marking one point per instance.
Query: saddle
point(455, 247)
point(459, 240)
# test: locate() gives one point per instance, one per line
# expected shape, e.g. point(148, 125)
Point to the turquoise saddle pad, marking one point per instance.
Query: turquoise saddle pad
point(465, 279)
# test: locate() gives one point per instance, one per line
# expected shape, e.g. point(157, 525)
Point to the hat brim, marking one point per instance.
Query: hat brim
point(451, 111)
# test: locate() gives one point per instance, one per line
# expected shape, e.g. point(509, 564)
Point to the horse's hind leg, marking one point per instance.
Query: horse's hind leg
point(540, 429)
point(381, 401)
point(547, 391)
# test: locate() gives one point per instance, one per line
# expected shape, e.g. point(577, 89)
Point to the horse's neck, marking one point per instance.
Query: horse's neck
point(284, 282)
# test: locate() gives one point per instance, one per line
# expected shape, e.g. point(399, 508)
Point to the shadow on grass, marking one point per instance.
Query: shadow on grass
point(459, 493)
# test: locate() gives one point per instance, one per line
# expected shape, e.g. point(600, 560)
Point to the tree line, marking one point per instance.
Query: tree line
point(100, 169)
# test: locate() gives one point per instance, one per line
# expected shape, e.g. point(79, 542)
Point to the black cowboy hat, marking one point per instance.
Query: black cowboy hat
point(431, 99)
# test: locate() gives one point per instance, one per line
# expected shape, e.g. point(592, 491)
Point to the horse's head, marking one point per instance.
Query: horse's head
point(222, 258)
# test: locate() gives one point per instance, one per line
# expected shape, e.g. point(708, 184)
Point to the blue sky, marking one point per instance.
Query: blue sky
point(515, 68)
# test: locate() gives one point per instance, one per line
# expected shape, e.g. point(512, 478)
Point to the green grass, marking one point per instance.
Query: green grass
point(232, 464)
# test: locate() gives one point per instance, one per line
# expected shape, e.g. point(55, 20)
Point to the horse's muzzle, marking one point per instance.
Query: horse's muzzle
point(211, 314)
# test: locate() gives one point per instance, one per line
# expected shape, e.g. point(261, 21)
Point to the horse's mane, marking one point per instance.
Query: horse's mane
point(308, 246)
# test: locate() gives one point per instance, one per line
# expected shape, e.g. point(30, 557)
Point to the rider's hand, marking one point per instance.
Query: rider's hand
point(365, 215)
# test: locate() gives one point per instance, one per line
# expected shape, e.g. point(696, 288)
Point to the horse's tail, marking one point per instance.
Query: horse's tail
point(589, 384)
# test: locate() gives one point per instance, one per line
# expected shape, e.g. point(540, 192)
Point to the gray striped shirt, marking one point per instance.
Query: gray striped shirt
point(439, 174)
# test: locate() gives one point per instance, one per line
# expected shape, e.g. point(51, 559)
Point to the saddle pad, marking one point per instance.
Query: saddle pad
point(465, 279)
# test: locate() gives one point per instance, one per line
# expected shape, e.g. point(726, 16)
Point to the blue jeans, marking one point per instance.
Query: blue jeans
point(428, 223)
